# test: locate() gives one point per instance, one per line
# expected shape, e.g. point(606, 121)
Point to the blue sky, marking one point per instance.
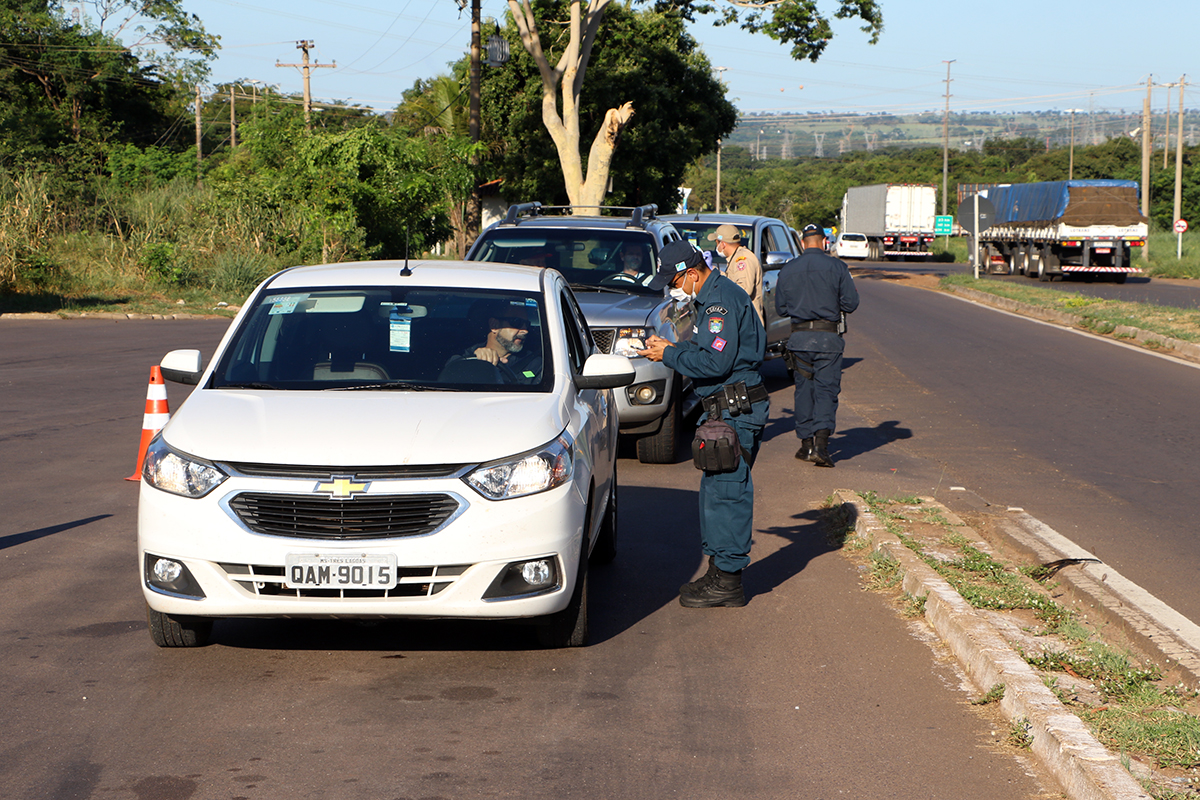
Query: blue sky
point(1016, 55)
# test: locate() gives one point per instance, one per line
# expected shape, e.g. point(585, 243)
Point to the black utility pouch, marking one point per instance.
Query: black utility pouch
point(737, 398)
point(716, 447)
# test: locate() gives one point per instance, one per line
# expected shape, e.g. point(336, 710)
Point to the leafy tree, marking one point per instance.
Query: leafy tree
point(361, 192)
point(646, 58)
point(562, 64)
point(67, 89)
point(437, 109)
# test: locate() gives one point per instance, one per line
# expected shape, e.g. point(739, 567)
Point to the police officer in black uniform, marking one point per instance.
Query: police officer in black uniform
point(815, 290)
point(722, 358)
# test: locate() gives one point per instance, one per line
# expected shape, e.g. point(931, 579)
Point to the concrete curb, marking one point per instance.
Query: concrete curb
point(1084, 768)
point(1188, 350)
point(1163, 634)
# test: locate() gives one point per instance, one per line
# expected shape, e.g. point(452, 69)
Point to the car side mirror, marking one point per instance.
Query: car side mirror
point(777, 258)
point(604, 371)
point(182, 366)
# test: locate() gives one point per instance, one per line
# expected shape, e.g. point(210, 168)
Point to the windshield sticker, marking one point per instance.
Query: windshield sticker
point(399, 332)
point(286, 304)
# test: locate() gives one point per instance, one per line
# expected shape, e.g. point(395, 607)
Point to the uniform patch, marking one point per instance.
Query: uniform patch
point(716, 324)
point(741, 263)
point(715, 309)
point(719, 344)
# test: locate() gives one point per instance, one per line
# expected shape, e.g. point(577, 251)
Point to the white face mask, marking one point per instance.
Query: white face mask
point(680, 296)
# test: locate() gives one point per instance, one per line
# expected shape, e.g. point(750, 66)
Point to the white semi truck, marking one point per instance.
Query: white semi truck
point(1059, 228)
point(896, 218)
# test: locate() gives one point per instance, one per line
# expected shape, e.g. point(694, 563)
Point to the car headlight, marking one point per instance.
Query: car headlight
point(177, 473)
point(629, 340)
point(529, 473)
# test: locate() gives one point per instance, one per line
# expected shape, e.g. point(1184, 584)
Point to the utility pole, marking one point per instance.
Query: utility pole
point(199, 148)
point(1146, 164)
point(1167, 124)
point(232, 120)
point(946, 139)
point(474, 210)
point(720, 71)
point(305, 69)
point(1178, 163)
point(1071, 162)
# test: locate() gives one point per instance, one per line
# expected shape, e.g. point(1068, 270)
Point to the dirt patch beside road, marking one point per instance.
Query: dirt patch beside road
point(920, 280)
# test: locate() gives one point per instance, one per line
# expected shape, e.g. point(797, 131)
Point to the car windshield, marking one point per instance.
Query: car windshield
point(697, 233)
point(390, 338)
point(617, 258)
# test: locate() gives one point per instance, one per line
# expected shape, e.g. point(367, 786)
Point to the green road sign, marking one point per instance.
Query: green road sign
point(943, 225)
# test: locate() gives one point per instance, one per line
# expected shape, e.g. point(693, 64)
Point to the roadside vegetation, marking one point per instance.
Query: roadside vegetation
point(1126, 702)
point(1095, 313)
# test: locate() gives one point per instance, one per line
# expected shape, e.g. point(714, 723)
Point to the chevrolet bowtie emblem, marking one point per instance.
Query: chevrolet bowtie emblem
point(342, 487)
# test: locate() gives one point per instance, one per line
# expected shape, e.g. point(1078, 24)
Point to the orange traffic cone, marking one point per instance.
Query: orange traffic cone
point(154, 419)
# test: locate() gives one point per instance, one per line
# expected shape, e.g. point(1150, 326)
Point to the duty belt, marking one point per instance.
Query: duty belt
point(737, 398)
point(815, 325)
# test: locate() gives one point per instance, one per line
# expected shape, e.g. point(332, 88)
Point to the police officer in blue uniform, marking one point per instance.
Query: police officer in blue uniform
point(815, 290)
point(722, 359)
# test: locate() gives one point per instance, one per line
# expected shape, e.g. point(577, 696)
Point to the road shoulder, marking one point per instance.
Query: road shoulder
point(983, 644)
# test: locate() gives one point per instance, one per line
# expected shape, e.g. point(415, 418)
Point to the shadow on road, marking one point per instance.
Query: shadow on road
point(808, 540)
point(14, 539)
point(852, 442)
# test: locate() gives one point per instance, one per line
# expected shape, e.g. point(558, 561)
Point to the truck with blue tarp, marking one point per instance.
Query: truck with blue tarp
point(1060, 228)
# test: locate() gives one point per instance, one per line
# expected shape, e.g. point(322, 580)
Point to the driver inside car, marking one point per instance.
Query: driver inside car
point(507, 328)
point(633, 261)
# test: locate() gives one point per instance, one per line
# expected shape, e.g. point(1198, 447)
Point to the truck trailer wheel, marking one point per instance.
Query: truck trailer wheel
point(1037, 267)
point(1014, 262)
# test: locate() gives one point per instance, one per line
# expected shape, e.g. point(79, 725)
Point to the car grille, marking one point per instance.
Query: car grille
point(266, 581)
point(366, 517)
point(603, 337)
point(359, 473)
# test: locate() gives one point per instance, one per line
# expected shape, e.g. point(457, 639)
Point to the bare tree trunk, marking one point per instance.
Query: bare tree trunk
point(566, 79)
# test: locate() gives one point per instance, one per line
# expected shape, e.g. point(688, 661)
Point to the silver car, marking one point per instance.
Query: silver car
point(608, 260)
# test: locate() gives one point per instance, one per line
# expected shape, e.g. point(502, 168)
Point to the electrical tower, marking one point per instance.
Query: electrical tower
point(820, 137)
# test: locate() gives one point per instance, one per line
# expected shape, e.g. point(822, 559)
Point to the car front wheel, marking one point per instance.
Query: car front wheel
point(605, 549)
point(568, 628)
point(660, 447)
point(171, 631)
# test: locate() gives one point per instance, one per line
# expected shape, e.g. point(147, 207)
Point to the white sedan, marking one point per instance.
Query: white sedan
point(852, 245)
point(381, 439)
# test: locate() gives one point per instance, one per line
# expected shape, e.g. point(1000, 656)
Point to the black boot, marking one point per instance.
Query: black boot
point(806, 449)
point(723, 589)
point(703, 579)
point(820, 455)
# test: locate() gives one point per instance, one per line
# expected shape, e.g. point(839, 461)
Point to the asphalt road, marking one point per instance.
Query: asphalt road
point(1171, 292)
point(816, 689)
point(1095, 438)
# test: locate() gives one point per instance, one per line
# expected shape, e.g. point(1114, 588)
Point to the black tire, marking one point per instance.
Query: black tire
point(1120, 277)
point(660, 447)
point(170, 631)
point(1042, 274)
point(605, 549)
point(568, 628)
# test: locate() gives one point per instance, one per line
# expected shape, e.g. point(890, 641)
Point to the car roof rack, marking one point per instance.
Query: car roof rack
point(638, 215)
